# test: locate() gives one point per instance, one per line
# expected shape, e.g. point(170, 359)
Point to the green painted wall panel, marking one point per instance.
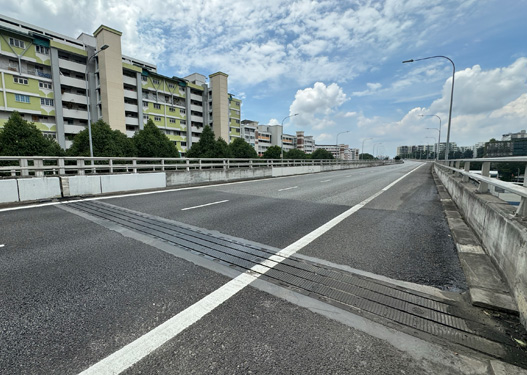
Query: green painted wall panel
point(65, 47)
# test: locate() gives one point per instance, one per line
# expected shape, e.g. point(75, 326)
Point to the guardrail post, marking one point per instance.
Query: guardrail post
point(188, 165)
point(62, 170)
point(251, 163)
point(38, 164)
point(225, 164)
point(483, 186)
point(110, 163)
point(199, 162)
point(80, 167)
point(23, 164)
point(522, 209)
point(134, 165)
point(457, 165)
point(163, 165)
point(467, 169)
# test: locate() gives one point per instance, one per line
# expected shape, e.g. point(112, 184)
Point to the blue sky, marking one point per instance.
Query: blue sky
point(337, 63)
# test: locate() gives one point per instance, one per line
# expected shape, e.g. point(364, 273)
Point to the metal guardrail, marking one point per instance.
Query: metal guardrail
point(485, 180)
point(21, 166)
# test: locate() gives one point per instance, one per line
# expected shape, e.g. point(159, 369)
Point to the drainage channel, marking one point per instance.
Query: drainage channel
point(416, 313)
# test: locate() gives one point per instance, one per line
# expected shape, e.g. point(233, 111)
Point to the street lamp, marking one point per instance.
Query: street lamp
point(88, 97)
point(362, 153)
point(428, 146)
point(337, 140)
point(439, 130)
point(373, 150)
point(282, 137)
point(451, 97)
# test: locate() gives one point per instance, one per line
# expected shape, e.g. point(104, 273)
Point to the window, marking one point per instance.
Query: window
point(145, 104)
point(20, 80)
point(42, 50)
point(48, 102)
point(70, 121)
point(183, 144)
point(22, 98)
point(172, 120)
point(171, 85)
point(182, 111)
point(17, 43)
point(172, 109)
point(157, 118)
point(145, 117)
point(157, 106)
point(34, 118)
point(155, 81)
point(44, 85)
point(144, 78)
point(183, 122)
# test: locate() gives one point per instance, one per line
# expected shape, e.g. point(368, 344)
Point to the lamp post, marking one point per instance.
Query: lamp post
point(337, 140)
point(282, 137)
point(429, 144)
point(451, 97)
point(439, 135)
point(88, 97)
point(362, 153)
point(373, 150)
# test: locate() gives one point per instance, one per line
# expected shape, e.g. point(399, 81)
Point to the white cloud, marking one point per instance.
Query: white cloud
point(316, 104)
point(273, 121)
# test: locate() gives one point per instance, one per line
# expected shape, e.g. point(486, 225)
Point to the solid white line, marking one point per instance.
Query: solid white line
point(2, 245)
point(146, 344)
point(289, 188)
point(325, 181)
point(204, 205)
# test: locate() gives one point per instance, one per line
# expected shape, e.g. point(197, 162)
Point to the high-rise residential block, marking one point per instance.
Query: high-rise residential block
point(53, 79)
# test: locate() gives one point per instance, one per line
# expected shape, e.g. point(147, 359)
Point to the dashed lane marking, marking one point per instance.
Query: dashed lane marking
point(289, 188)
point(204, 205)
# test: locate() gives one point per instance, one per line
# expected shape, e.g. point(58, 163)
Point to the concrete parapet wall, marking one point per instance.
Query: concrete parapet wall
point(207, 176)
point(9, 191)
point(132, 181)
point(503, 236)
point(81, 185)
point(30, 189)
point(290, 171)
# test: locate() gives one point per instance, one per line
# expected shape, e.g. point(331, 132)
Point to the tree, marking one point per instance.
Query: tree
point(205, 148)
point(242, 150)
point(151, 142)
point(22, 138)
point(320, 153)
point(397, 158)
point(106, 142)
point(295, 154)
point(221, 149)
point(366, 156)
point(272, 152)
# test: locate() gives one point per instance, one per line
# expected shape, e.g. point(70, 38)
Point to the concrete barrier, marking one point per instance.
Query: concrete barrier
point(291, 171)
point(30, 189)
point(503, 235)
point(81, 185)
point(132, 181)
point(214, 175)
point(8, 191)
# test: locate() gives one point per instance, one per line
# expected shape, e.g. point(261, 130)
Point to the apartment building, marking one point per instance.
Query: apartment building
point(53, 79)
point(342, 151)
point(305, 143)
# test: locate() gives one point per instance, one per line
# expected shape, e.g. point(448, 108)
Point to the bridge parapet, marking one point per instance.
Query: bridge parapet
point(501, 227)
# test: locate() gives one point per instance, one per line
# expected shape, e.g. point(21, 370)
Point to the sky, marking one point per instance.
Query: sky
point(335, 63)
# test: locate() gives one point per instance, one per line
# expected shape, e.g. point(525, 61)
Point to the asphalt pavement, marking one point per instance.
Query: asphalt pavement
point(74, 289)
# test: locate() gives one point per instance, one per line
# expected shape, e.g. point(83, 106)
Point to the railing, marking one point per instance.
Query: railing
point(462, 167)
point(15, 166)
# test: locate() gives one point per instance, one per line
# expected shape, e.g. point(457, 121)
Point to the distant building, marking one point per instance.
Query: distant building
point(342, 151)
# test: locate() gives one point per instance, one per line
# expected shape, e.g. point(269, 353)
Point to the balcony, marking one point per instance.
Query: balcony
point(70, 65)
point(74, 98)
point(130, 94)
point(199, 98)
point(73, 82)
point(73, 129)
point(130, 80)
point(75, 113)
point(130, 107)
point(134, 121)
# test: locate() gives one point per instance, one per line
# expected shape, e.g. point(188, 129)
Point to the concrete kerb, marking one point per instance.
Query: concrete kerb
point(487, 287)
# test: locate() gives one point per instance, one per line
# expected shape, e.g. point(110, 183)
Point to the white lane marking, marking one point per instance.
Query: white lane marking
point(204, 205)
point(289, 188)
point(2, 245)
point(325, 181)
point(135, 351)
